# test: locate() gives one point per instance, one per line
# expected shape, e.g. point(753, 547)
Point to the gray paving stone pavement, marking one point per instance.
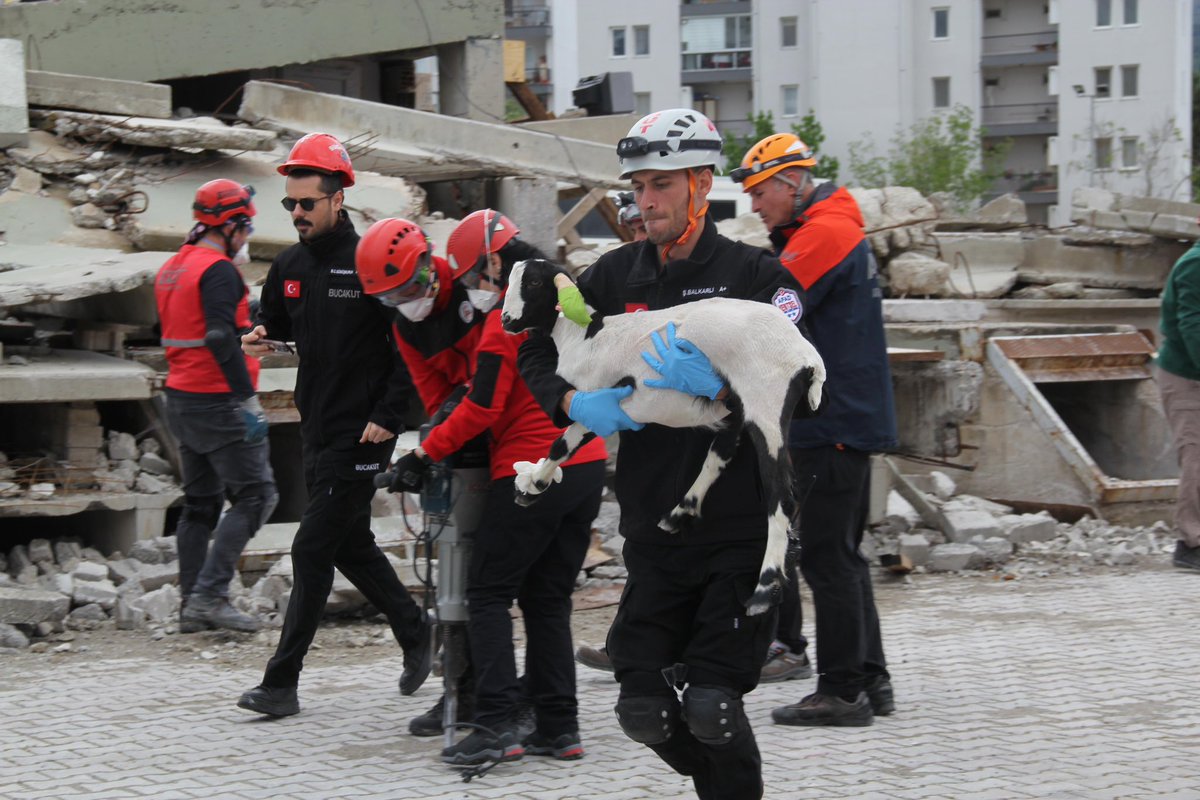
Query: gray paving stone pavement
point(1057, 687)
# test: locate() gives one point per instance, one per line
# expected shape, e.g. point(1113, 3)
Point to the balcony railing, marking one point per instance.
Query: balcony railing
point(528, 18)
point(1019, 113)
point(1042, 41)
point(729, 59)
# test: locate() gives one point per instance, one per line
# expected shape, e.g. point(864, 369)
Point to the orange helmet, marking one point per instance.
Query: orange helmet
point(777, 152)
point(221, 200)
point(479, 234)
point(321, 152)
point(394, 258)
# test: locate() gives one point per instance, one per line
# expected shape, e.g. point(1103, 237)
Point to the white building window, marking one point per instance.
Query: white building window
point(641, 40)
point(716, 42)
point(641, 103)
point(941, 92)
point(1131, 12)
point(790, 105)
point(1103, 13)
point(941, 23)
point(1102, 147)
point(1129, 152)
point(1102, 82)
point(618, 42)
point(1129, 80)
point(787, 31)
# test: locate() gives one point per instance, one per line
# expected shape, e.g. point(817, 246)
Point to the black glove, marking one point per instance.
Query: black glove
point(408, 475)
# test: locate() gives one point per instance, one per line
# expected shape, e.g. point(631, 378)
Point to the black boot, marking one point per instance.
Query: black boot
point(270, 700)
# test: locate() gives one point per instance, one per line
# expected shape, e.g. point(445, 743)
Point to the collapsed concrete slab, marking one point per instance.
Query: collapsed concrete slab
point(63, 376)
point(430, 147)
point(14, 108)
point(1101, 208)
point(50, 273)
point(199, 133)
point(25, 606)
point(896, 219)
point(1115, 261)
point(982, 264)
point(104, 95)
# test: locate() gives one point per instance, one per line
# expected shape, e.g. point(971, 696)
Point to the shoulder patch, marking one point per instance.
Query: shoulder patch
point(466, 311)
point(787, 301)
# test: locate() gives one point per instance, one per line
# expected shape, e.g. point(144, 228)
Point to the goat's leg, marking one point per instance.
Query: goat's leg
point(533, 479)
point(720, 453)
point(776, 471)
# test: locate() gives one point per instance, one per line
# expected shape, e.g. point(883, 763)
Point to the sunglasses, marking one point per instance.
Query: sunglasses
point(307, 203)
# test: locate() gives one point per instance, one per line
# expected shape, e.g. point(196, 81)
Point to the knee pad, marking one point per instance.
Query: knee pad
point(205, 511)
point(648, 720)
point(714, 714)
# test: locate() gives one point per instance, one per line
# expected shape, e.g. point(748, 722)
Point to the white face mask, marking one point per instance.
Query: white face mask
point(242, 257)
point(483, 299)
point(417, 310)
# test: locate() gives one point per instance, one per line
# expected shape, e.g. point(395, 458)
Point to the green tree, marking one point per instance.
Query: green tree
point(810, 132)
point(735, 146)
point(808, 129)
point(943, 153)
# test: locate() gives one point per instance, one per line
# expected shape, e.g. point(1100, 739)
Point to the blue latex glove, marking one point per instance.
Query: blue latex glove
point(255, 419)
point(683, 367)
point(601, 413)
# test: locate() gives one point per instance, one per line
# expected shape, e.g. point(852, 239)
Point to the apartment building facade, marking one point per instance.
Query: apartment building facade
point(1087, 92)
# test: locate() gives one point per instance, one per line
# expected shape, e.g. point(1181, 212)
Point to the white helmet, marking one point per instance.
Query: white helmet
point(678, 138)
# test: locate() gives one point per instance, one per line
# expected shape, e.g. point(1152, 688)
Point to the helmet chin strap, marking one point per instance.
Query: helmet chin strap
point(693, 218)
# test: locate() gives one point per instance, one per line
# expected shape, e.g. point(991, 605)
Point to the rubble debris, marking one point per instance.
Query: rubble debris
point(196, 133)
point(1101, 208)
point(105, 95)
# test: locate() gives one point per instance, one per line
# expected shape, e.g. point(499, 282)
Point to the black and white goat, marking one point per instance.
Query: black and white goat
point(765, 380)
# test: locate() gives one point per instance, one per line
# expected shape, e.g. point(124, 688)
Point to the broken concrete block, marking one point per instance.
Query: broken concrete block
point(916, 274)
point(746, 228)
point(146, 552)
point(159, 605)
point(24, 606)
point(155, 464)
point(39, 551)
point(14, 105)
point(104, 593)
point(155, 576)
point(1021, 528)
point(89, 215)
point(915, 548)
point(122, 446)
point(105, 95)
point(978, 503)
point(63, 583)
point(87, 617)
point(122, 570)
point(992, 551)
point(1005, 210)
point(151, 485)
point(18, 559)
point(204, 133)
point(127, 616)
point(90, 571)
point(150, 445)
point(951, 556)
point(942, 484)
point(12, 637)
point(1121, 555)
point(24, 180)
point(964, 524)
point(169, 546)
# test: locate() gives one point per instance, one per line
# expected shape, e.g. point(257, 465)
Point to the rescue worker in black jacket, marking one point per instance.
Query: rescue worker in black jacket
point(682, 617)
point(351, 391)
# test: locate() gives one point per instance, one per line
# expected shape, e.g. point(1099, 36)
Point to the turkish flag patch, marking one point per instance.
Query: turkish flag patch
point(291, 288)
point(631, 308)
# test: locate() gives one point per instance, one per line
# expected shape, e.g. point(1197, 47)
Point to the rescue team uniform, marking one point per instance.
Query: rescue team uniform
point(683, 605)
point(825, 249)
point(198, 290)
point(531, 554)
point(349, 374)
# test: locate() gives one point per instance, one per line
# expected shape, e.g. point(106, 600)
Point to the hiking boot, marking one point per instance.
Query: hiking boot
point(216, 612)
point(824, 709)
point(1186, 557)
point(565, 747)
point(418, 659)
point(525, 720)
point(879, 693)
point(481, 747)
point(187, 625)
point(430, 723)
point(594, 657)
point(274, 701)
point(784, 665)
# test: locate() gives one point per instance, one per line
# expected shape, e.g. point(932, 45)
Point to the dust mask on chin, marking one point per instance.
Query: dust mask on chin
point(483, 299)
point(417, 310)
point(242, 257)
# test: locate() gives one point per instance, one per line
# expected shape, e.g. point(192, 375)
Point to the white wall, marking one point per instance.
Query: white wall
point(591, 47)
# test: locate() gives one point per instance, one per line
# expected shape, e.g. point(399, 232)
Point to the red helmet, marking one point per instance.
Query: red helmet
point(394, 255)
point(479, 234)
point(221, 200)
point(321, 152)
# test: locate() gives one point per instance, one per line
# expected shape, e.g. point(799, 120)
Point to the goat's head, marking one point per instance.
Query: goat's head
point(532, 297)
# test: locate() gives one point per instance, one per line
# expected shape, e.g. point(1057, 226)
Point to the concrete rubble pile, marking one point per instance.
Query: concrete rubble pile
point(971, 533)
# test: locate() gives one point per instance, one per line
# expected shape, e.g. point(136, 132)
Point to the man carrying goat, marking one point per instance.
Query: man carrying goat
point(682, 623)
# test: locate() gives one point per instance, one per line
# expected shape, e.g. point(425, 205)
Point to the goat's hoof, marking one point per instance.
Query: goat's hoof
point(524, 499)
point(764, 598)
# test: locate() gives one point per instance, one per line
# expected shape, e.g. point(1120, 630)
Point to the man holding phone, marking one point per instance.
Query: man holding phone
point(352, 390)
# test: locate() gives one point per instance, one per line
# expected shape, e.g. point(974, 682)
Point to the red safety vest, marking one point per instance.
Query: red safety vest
point(191, 365)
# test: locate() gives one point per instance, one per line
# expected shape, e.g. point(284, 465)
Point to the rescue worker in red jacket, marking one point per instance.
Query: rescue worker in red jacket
point(527, 554)
point(212, 405)
point(818, 235)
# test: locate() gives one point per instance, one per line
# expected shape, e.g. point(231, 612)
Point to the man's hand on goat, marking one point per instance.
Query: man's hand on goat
point(573, 307)
point(601, 413)
point(683, 367)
